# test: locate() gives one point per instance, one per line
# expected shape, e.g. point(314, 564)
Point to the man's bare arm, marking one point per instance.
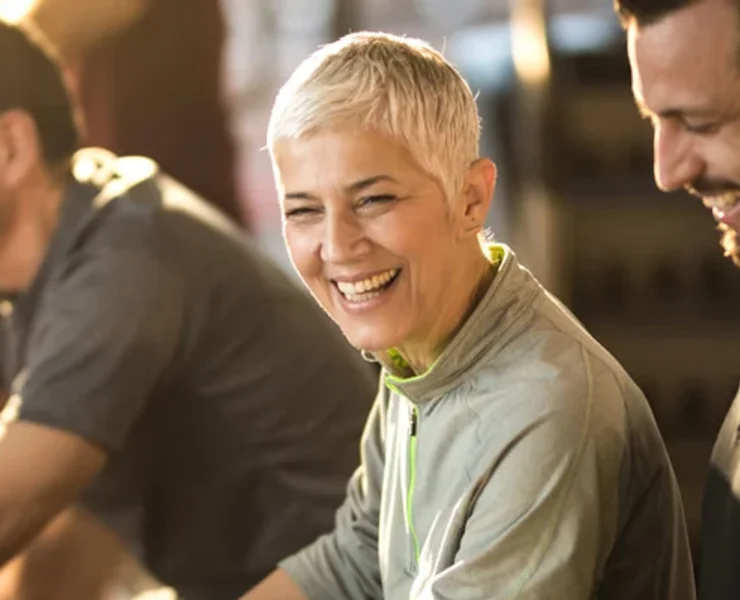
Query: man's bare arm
point(277, 586)
point(74, 558)
point(42, 470)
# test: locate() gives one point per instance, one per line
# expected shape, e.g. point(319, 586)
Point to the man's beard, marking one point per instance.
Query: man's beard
point(724, 195)
point(730, 243)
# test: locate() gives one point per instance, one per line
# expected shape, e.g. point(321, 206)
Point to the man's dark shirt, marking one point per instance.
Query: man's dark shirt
point(719, 576)
point(229, 405)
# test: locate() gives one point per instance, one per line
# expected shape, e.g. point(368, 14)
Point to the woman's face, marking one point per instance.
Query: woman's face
point(371, 235)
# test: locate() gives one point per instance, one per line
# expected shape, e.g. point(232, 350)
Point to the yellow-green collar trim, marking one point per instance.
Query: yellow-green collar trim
point(495, 255)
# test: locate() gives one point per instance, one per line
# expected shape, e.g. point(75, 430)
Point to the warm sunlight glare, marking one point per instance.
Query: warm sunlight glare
point(529, 38)
point(14, 10)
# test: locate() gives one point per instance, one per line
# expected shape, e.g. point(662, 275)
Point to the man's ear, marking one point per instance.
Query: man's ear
point(480, 183)
point(20, 148)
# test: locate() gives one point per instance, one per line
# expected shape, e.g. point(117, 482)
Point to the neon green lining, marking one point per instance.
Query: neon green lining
point(412, 482)
point(495, 255)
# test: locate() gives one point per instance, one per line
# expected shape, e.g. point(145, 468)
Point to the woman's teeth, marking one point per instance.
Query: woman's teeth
point(366, 289)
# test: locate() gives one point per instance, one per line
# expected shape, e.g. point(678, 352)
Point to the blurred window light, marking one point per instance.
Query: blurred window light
point(14, 11)
point(301, 16)
point(450, 14)
point(584, 32)
point(484, 52)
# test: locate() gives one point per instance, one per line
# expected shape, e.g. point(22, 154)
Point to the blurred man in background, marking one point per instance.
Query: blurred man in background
point(685, 60)
point(148, 77)
point(168, 378)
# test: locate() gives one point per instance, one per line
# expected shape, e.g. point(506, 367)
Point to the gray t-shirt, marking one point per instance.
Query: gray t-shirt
point(230, 406)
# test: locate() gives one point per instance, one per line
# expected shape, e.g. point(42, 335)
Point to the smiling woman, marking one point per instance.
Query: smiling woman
point(378, 243)
point(508, 455)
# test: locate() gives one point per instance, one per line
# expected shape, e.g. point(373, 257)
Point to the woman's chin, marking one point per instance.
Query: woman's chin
point(369, 341)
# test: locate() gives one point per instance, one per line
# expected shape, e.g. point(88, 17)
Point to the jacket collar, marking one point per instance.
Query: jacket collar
point(485, 332)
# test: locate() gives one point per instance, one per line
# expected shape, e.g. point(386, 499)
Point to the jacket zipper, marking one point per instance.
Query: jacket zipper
point(413, 425)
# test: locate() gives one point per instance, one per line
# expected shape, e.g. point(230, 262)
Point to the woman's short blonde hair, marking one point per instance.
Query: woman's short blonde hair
point(397, 86)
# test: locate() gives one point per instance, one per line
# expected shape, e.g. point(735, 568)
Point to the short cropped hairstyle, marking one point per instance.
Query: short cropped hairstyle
point(642, 13)
point(31, 80)
point(397, 86)
point(647, 12)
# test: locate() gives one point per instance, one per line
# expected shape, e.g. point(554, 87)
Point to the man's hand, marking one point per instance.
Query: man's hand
point(42, 470)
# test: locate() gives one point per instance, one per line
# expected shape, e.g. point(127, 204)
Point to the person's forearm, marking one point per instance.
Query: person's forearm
point(74, 558)
point(42, 470)
point(278, 586)
point(18, 526)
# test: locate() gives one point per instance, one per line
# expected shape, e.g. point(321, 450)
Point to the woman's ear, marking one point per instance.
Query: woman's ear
point(20, 148)
point(480, 183)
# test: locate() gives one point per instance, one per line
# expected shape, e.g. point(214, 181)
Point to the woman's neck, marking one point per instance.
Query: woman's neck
point(476, 279)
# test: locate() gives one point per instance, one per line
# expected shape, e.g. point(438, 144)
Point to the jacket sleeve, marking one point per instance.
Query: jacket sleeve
point(343, 565)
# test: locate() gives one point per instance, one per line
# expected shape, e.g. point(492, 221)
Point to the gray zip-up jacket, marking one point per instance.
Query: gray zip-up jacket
point(525, 464)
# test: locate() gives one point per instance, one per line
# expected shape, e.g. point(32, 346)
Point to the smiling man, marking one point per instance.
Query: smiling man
point(685, 59)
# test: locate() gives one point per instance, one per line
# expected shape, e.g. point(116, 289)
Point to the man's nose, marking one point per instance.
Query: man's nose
point(676, 161)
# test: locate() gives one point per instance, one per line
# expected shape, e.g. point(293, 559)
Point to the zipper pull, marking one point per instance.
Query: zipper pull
point(412, 423)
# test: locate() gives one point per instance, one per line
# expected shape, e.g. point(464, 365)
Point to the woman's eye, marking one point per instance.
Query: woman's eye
point(370, 200)
point(300, 212)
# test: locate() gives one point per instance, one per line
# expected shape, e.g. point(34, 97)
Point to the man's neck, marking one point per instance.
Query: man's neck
point(28, 234)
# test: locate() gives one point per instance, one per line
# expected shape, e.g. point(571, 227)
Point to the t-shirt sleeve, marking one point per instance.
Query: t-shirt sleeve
point(104, 337)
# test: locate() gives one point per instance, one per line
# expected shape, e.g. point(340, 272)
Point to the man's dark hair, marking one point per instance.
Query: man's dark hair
point(31, 80)
point(646, 12)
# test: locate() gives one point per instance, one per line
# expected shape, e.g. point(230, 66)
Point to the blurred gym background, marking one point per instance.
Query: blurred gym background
point(576, 199)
